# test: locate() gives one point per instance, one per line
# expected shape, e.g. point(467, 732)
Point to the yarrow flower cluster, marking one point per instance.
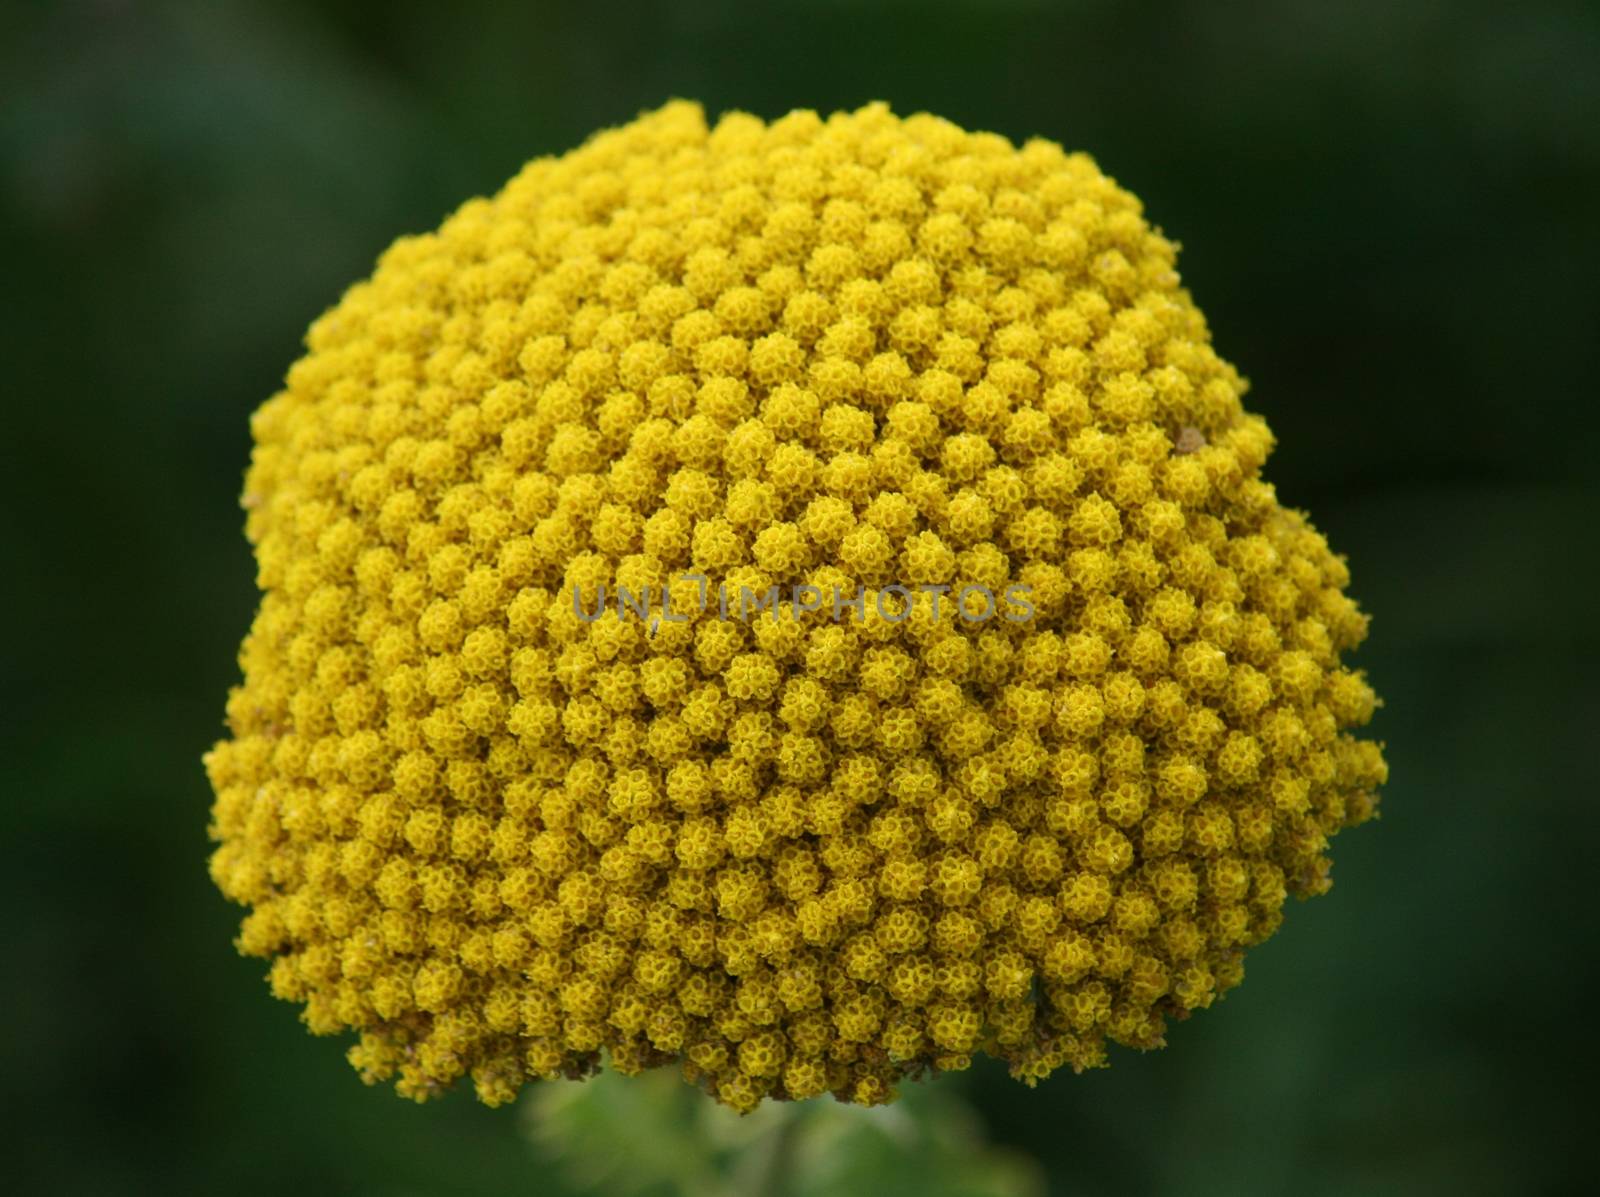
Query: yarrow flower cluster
point(796, 857)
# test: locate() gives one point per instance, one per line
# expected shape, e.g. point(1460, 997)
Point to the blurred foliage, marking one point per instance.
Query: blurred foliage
point(1387, 210)
point(679, 1144)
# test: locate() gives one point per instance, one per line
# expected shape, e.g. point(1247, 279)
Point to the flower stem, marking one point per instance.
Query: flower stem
point(778, 1165)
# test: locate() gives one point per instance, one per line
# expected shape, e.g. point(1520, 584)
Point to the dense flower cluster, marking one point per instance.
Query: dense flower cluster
point(796, 857)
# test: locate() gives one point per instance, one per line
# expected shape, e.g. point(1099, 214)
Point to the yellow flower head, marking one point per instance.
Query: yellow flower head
point(796, 600)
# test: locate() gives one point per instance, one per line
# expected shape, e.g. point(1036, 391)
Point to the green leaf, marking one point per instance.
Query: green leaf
point(654, 1136)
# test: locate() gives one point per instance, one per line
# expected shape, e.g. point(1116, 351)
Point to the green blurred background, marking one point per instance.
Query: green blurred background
point(1388, 213)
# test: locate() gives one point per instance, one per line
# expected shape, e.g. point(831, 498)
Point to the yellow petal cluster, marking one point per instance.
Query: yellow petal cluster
point(796, 855)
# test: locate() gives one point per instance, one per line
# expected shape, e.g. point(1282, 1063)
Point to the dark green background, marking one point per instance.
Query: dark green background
point(1388, 214)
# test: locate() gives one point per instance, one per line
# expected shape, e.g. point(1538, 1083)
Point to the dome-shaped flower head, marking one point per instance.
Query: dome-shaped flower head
point(797, 601)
